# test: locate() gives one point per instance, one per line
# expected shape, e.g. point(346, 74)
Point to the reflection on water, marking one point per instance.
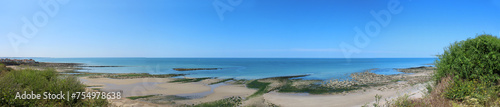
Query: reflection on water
point(202, 94)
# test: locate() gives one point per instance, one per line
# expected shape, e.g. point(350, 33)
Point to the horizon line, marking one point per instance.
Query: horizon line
point(230, 57)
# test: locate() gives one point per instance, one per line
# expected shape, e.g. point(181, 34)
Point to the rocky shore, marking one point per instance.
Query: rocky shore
point(369, 85)
point(194, 69)
point(368, 78)
point(416, 69)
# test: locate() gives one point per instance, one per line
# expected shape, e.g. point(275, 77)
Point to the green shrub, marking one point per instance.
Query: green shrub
point(39, 82)
point(477, 58)
point(475, 67)
point(472, 92)
point(4, 68)
point(227, 102)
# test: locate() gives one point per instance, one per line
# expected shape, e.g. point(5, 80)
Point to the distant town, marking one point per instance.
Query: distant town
point(17, 61)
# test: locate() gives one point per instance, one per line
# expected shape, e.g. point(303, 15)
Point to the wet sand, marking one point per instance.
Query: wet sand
point(162, 87)
point(146, 86)
point(352, 99)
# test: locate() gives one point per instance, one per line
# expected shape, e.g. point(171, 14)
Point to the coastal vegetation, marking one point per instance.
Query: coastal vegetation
point(474, 65)
point(4, 68)
point(227, 102)
point(137, 97)
point(186, 80)
point(38, 82)
point(262, 87)
point(468, 74)
point(314, 88)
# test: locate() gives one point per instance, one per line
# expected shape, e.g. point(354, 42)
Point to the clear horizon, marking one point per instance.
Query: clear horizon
point(230, 57)
point(246, 29)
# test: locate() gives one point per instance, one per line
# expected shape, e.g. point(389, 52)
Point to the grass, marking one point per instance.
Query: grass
point(4, 68)
point(313, 89)
point(186, 80)
point(227, 102)
point(221, 81)
point(396, 80)
point(404, 101)
point(40, 81)
point(261, 86)
point(137, 97)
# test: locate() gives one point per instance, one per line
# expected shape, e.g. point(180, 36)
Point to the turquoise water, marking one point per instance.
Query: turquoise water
point(248, 68)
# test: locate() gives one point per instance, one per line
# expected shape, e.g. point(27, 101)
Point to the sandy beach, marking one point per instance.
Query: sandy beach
point(164, 87)
point(202, 91)
point(145, 86)
point(164, 90)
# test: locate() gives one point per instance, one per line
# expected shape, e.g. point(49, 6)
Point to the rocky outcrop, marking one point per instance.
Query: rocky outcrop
point(368, 77)
point(417, 69)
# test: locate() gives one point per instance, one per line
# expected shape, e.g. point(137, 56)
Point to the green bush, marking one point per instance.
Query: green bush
point(475, 67)
point(39, 82)
point(477, 58)
point(472, 92)
point(4, 68)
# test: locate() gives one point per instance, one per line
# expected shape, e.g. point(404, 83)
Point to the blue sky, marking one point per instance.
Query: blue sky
point(254, 28)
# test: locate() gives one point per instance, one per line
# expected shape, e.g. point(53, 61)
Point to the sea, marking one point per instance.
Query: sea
point(249, 68)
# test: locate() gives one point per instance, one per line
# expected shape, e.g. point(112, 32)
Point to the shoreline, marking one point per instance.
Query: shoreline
point(355, 98)
point(162, 90)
